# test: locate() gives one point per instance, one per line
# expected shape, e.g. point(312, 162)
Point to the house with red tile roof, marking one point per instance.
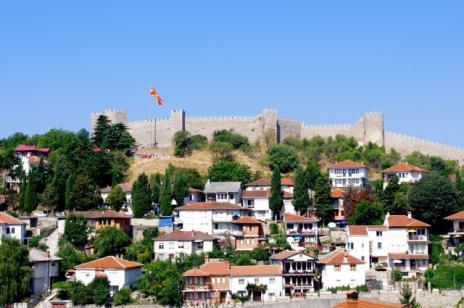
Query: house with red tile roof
point(171, 245)
point(348, 173)
point(401, 243)
point(339, 268)
point(251, 233)
point(266, 281)
point(405, 172)
point(12, 227)
point(194, 196)
point(119, 272)
point(107, 218)
point(456, 236)
point(265, 184)
point(337, 197)
point(301, 231)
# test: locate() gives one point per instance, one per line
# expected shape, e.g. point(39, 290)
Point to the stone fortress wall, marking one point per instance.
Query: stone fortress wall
point(370, 128)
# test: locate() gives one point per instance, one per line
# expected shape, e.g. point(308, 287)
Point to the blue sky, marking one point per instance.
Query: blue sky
point(319, 62)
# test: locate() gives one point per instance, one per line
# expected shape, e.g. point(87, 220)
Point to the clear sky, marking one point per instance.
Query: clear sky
point(319, 62)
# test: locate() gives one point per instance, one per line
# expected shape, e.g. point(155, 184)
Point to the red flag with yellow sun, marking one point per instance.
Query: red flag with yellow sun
point(156, 96)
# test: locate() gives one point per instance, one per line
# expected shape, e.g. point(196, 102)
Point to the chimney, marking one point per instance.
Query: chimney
point(409, 214)
point(388, 215)
point(47, 254)
point(206, 259)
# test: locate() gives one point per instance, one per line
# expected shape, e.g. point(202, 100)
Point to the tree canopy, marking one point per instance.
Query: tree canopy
point(141, 196)
point(229, 170)
point(283, 157)
point(76, 230)
point(110, 241)
point(276, 201)
point(367, 213)
point(116, 198)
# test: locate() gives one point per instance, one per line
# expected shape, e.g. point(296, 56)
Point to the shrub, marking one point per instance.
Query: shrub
point(396, 275)
point(122, 297)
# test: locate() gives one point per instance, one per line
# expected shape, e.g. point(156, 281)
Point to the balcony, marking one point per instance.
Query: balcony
point(309, 232)
point(291, 272)
point(198, 288)
point(417, 238)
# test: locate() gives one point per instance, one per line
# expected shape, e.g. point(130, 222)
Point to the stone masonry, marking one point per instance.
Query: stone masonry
point(370, 128)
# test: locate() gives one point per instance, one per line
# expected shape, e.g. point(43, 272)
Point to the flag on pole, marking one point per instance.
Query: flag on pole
point(155, 95)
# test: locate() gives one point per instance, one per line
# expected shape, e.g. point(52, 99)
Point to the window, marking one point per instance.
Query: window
point(362, 258)
point(271, 280)
point(250, 203)
point(12, 230)
point(378, 233)
point(7, 230)
point(351, 245)
point(161, 246)
point(337, 268)
point(241, 281)
point(216, 226)
point(353, 268)
point(379, 245)
point(256, 280)
point(180, 245)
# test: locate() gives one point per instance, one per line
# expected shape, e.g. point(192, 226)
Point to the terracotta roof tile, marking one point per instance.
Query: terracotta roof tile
point(267, 182)
point(357, 230)
point(337, 193)
point(246, 220)
point(346, 164)
point(10, 220)
point(293, 217)
point(403, 221)
point(109, 262)
point(286, 182)
point(255, 270)
point(102, 214)
point(402, 168)
point(287, 254)
point(208, 206)
point(195, 272)
point(377, 227)
point(456, 216)
point(31, 148)
point(256, 194)
point(179, 235)
point(339, 257)
point(216, 268)
point(407, 256)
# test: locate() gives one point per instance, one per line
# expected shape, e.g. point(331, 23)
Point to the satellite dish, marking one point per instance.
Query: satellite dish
point(331, 225)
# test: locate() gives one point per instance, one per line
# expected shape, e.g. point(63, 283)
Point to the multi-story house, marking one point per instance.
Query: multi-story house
point(341, 269)
point(405, 172)
point(12, 227)
point(126, 188)
point(258, 202)
point(301, 231)
point(456, 235)
point(348, 173)
point(207, 285)
point(337, 197)
point(261, 282)
point(226, 192)
point(400, 243)
point(108, 218)
point(171, 245)
point(298, 270)
point(250, 235)
point(45, 269)
point(213, 218)
point(194, 196)
point(30, 155)
point(265, 184)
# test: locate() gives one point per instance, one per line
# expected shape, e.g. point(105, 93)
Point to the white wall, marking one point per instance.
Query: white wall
point(17, 232)
point(358, 246)
point(331, 278)
point(117, 277)
point(341, 177)
point(274, 288)
point(165, 248)
point(196, 221)
point(260, 208)
point(403, 177)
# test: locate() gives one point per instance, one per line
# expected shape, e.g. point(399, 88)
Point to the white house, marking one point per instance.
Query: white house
point(194, 196)
point(119, 272)
point(44, 269)
point(227, 192)
point(342, 269)
point(456, 235)
point(30, 155)
point(266, 278)
point(213, 218)
point(405, 172)
point(265, 184)
point(12, 227)
point(258, 202)
point(301, 231)
point(171, 245)
point(400, 243)
point(348, 173)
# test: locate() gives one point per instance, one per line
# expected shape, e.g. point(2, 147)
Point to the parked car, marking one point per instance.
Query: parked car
point(40, 214)
point(60, 214)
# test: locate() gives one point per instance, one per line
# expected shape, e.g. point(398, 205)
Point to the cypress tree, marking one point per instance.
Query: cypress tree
point(322, 197)
point(141, 196)
point(165, 196)
point(156, 188)
point(276, 200)
point(300, 192)
point(30, 196)
point(388, 196)
point(69, 193)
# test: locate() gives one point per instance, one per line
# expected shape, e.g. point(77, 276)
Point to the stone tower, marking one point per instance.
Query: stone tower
point(374, 130)
point(178, 120)
point(114, 115)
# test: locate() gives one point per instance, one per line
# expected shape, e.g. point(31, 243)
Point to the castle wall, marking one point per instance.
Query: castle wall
point(289, 128)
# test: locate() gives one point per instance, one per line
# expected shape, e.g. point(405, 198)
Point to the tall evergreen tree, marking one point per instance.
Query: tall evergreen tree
point(156, 188)
point(30, 196)
point(388, 195)
point(117, 198)
point(276, 200)
point(312, 173)
point(69, 193)
point(301, 200)
point(180, 189)
point(141, 196)
point(460, 188)
point(322, 197)
point(166, 195)
point(101, 130)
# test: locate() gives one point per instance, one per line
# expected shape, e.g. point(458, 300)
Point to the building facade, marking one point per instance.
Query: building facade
point(301, 231)
point(405, 172)
point(341, 269)
point(226, 192)
point(348, 173)
point(12, 227)
point(250, 235)
point(45, 269)
point(171, 245)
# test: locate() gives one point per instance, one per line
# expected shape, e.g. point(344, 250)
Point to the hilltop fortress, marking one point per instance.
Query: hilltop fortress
point(370, 128)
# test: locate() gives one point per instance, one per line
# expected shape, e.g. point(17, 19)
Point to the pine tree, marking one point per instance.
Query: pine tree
point(101, 130)
point(30, 196)
point(180, 189)
point(407, 299)
point(322, 197)
point(276, 200)
point(312, 173)
point(156, 188)
point(300, 191)
point(69, 193)
point(166, 196)
point(388, 196)
point(141, 196)
point(117, 198)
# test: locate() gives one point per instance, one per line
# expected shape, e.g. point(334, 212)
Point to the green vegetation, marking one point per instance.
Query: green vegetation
point(407, 298)
point(112, 136)
point(282, 157)
point(142, 251)
point(76, 230)
point(396, 275)
point(166, 196)
point(110, 241)
point(361, 288)
point(448, 275)
point(116, 198)
point(276, 201)
point(367, 213)
point(123, 297)
point(141, 196)
point(229, 170)
point(322, 201)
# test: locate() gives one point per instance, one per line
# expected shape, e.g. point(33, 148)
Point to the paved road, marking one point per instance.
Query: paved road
point(52, 242)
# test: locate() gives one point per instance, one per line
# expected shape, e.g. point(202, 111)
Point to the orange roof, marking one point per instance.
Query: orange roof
point(216, 268)
point(10, 220)
point(195, 272)
point(376, 227)
point(364, 303)
point(102, 214)
point(339, 257)
point(246, 220)
point(109, 262)
point(402, 168)
point(287, 254)
point(403, 221)
point(337, 193)
point(357, 230)
point(255, 270)
point(179, 235)
point(408, 256)
point(194, 190)
point(456, 216)
point(292, 217)
point(209, 206)
point(286, 182)
point(346, 164)
point(267, 182)
point(256, 194)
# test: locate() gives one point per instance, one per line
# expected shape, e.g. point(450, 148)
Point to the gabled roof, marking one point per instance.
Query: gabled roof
point(255, 270)
point(256, 194)
point(195, 272)
point(403, 221)
point(337, 193)
point(224, 187)
point(246, 220)
point(216, 268)
point(267, 182)
point(10, 220)
point(286, 182)
point(346, 164)
point(36, 255)
point(297, 218)
point(179, 235)
point(102, 214)
point(456, 216)
point(126, 187)
point(31, 148)
point(195, 191)
point(356, 230)
point(210, 206)
point(339, 257)
point(109, 262)
point(288, 254)
point(403, 167)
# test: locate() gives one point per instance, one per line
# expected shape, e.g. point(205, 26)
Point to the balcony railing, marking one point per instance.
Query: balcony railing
point(415, 237)
point(198, 287)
